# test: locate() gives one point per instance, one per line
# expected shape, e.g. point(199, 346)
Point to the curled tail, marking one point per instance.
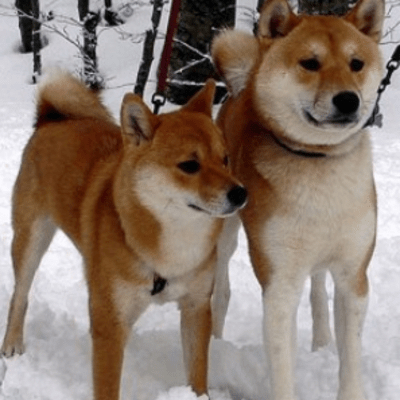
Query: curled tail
point(62, 97)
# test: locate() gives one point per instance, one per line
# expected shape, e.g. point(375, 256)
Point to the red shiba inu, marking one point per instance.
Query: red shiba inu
point(301, 94)
point(143, 204)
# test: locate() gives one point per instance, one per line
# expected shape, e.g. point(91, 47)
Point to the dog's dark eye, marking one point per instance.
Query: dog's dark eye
point(189, 167)
point(356, 65)
point(310, 64)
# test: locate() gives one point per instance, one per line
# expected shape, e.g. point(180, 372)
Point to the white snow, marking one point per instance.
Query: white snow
point(56, 364)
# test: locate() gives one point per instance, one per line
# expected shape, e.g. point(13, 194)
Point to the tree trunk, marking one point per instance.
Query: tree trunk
point(83, 9)
point(325, 7)
point(36, 42)
point(198, 23)
point(321, 7)
point(110, 15)
point(24, 8)
point(148, 48)
point(91, 73)
point(90, 21)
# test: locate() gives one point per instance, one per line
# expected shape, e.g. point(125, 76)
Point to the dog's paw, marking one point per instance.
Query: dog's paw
point(11, 348)
point(321, 342)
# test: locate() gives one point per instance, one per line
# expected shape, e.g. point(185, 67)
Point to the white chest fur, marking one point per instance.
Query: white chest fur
point(325, 212)
point(186, 237)
point(184, 244)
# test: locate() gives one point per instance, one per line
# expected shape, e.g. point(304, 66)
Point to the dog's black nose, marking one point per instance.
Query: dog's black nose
point(346, 102)
point(237, 196)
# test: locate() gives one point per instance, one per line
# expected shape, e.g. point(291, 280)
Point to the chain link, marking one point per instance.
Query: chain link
point(392, 65)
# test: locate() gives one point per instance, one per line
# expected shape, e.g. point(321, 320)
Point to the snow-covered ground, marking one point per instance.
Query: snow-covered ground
point(56, 364)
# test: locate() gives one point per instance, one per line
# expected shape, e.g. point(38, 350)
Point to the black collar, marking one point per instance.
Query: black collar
point(301, 153)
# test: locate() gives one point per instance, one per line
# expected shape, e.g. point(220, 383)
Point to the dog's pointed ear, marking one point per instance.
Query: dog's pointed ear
point(138, 123)
point(368, 17)
point(203, 100)
point(276, 19)
point(234, 55)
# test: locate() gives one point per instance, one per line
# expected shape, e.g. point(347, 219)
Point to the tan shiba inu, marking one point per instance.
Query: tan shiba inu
point(301, 93)
point(142, 203)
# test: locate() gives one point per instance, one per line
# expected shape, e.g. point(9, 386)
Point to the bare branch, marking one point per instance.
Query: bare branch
point(193, 49)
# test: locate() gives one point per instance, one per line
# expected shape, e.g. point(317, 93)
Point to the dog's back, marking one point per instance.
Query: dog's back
point(73, 130)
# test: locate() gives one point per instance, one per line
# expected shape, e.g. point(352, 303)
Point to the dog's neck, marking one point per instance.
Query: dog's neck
point(317, 151)
point(300, 153)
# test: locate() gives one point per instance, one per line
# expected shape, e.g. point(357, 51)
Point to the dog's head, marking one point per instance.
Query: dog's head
point(312, 77)
point(177, 162)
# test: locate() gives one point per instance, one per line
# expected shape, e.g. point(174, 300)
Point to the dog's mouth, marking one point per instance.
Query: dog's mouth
point(236, 198)
point(197, 208)
point(339, 120)
point(213, 214)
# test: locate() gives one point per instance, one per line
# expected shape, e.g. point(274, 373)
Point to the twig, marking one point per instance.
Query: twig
point(193, 49)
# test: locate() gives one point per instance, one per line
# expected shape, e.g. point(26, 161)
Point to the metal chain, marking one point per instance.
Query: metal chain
point(393, 64)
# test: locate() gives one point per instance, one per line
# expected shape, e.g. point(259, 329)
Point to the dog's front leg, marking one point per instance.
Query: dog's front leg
point(107, 359)
point(350, 309)
point(108, 342)
point(281, 298)
point(196, 334)
point(227, 244)
point(320, 311)
point(113, 310)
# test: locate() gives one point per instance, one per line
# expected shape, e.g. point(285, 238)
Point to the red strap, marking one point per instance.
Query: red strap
point(167, 50)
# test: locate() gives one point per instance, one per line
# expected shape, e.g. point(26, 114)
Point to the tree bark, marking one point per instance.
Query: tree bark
point(198, 23)
point(89, 47)
point(325, 7)
point(83, 8)
point(36, 42)
point(110, 15)
point(90, 21)
point(148, 48)
point(24, 7)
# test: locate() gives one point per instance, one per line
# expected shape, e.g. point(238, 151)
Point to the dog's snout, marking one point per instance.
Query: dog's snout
point(346, 102)
point(237, 196)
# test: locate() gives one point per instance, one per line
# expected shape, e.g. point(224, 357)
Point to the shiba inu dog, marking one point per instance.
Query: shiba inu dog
point(301, 94)
point(143, 204)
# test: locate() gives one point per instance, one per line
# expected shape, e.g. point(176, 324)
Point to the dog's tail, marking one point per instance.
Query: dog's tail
point(62, 96)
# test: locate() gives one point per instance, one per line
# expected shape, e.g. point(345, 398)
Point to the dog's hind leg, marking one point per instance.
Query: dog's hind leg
point(33, 233)
point(221, 293)
point(320, 311)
